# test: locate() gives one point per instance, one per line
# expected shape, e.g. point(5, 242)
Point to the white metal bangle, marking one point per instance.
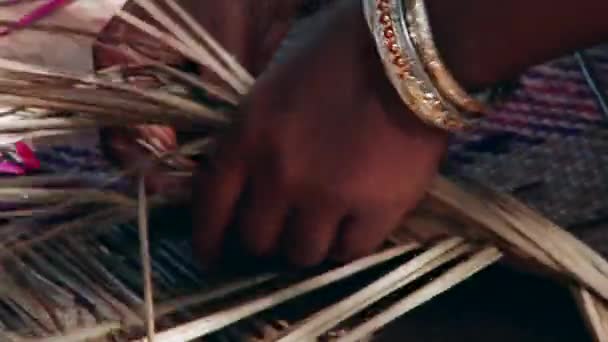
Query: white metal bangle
point(386, 19)
point(421, 34)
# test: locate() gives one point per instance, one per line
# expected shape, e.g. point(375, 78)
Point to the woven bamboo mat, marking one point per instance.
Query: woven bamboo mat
point(544, 143)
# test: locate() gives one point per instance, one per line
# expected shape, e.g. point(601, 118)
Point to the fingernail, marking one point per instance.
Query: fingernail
point(158, 144)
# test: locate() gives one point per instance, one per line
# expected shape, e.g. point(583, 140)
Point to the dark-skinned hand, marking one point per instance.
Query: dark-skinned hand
point(326, 161)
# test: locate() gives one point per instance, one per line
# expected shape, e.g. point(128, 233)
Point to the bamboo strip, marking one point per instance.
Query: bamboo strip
point(204, 57)
point(73, 282)
point(75, 271)
point(51, 196)
point(196, 111)
point(218, 320)
point(26, 299)
point(595, 313)
point(475, 213)
point(88, 97)
point(223, 291)
point(533, 237)
point(219, 51)
point(46, 137)
point(81, 251)
point(574, 263)
point(558, 234)
point(347, 307)
point(102, 217)
point(456, 275)
point(23, 213)
point(192, 80)
point(144, 245)
point(79, 335)
point(44, 124)
point(50, 180)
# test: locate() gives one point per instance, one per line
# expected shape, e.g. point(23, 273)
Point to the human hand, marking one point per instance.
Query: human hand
point(251, 30)
point(327, 159)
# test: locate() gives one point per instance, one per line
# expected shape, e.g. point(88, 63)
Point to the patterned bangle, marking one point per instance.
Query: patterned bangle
point(405, 70)
point(422, 36)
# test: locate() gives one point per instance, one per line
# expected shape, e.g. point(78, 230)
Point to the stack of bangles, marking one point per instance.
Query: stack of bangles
point(405, 43)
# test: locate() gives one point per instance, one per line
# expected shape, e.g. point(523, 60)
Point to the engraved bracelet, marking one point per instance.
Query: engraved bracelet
point(405, 70)
point(421, 34)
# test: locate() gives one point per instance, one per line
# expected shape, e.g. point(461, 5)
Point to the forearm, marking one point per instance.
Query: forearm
point(484, 42)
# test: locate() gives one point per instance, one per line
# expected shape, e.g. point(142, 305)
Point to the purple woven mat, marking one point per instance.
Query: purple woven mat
point(547, 144)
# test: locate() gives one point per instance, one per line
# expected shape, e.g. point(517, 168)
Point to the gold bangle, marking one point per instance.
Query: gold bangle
point(422, 36)
point(386, 19)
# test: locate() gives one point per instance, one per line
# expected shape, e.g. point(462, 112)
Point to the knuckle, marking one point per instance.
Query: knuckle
point(278, 171)
point(259, 247)
point(309, 258)
point(342, 200)
point(353, 252)
point(283, 179)
point(312, 245)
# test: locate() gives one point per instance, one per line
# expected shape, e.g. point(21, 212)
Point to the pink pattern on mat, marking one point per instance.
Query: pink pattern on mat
point(11, 168)
point(27, 156)
point(24, 160)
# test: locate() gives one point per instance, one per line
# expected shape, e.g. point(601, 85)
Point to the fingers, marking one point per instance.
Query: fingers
point(311, 231)
point(263, 218)
point(266, 225)
point(121, 146)
point(162, 137)
point(269, 224)
point(215, 195)
point(364, 233)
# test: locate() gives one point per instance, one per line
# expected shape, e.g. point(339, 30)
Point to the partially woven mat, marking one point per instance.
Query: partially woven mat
point(544, 143)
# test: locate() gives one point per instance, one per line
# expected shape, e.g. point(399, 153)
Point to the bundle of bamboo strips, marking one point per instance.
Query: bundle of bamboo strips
point(75, 269)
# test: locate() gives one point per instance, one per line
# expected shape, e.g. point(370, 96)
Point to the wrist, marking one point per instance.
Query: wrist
point(481, 44)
